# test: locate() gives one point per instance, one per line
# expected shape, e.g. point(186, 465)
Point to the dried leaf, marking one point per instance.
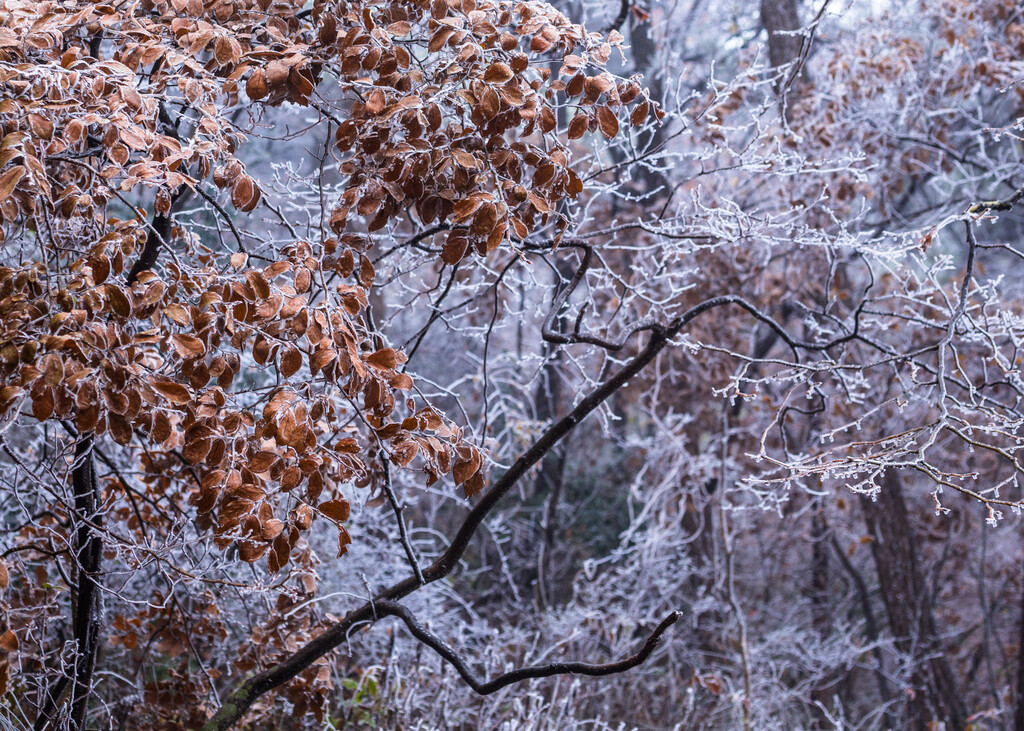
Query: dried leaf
point(336, 510)
point(607, 122)
point(244, 193)
point(9, 180)
point(578, 126)
point(385, 359)
point(291, 361)
point(173, 392)
point(188, 346)
point(263, 461)
point(497, 73)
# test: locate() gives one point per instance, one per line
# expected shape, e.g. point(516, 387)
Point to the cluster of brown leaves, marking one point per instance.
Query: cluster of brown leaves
point(252, 390)
point(467, 136)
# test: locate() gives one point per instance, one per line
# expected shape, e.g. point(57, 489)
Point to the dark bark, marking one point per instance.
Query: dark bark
point(780, 18)
point(158, 235)
point(935, 696)
point(1018, 718)
point(870, 625)
point(88, 542)
point(548, 483)
point(821, 608)
point(537, 671)
point(85, 601)
point(654, 183)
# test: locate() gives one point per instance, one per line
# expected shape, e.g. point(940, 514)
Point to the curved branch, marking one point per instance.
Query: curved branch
point(537, 671)
point(620, 18)
point(551, 335)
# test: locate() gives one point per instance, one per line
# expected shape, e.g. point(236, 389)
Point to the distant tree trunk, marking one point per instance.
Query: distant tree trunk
point(821, 607)
point(548, 483)
point(935, 694)
point(1019, 715)
point(780, 18)
point(644, 48)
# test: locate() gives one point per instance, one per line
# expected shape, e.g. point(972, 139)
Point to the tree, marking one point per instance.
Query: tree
point(269, 267)
point(231, 396)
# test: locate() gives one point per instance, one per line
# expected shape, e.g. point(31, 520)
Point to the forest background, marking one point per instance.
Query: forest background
point(502, 365)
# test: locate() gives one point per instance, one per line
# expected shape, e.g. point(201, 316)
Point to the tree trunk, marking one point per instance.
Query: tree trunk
point(935, 696)
point(780, 18)
point(85, 598)
point(1018, 720)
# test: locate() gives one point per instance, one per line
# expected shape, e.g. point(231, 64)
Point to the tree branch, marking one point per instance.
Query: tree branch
point(537, 671)
point(620, 18)
point(239, 702)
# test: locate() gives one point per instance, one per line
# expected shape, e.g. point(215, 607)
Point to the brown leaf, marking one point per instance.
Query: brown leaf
point(490, 103)
point(303, 516)
point(607, 122)
point(464, 469)
point(519, 228)
point(454, 249)
point(343, 541)
point(384, 359)
point(188, 346)
point(42, 404)
point(174, 392)
point(302, 279)
point(539, 44)
point(399, 29)
point(8, 642)
point(497, 73)
point(375, 102)
point(277, 72)
point(272, 529)
point(222, 50)
point(9, 180)
point(250, 552)
point(401, 382)
point(474, 484)
point(5, 577)
point(314, 486)
point(263, 461)
point(178, 315)
point(597, 85)
point(466, 159)
point(578, 126)
point(639, 114)
point(244, 193)
point(258, 283)
point(291, 361)
point(291, 478)
point(336, 510)
point(7, 396)
point(321, 358)
point(366, 272)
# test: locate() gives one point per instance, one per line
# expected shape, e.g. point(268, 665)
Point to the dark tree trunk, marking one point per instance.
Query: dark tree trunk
point(780, 18)
point(1018, 719)
point(89, 547)
point(644, 49)
point(935, 694)
point(85, 599)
